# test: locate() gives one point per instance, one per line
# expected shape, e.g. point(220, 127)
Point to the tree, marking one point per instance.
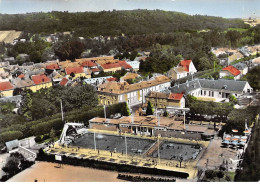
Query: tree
point(220, 175)
point(149, 109)
point(70, 49)
point(52, 135)
point(204, 64)
point(210, 174)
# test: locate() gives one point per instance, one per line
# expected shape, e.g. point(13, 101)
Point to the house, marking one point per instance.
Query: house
point(242, 67)
point(78, 72)
point(111, 67)
point(256, 62)
point(64, 81)
point(130, 76)
point(125, 65)
point(185, 68)
point(230, 71)
point(12, 145)
point(165, 100)
point(213, 90)
point(97, 81)
point(146, 125)
point(112, 92)
point(134, 64)
point(40, 81)
point(235, 56)
point(6, 89)
point(53, 66)
point(89, 64)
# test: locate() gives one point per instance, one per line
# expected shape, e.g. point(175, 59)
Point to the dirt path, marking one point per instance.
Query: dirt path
point(48, 172)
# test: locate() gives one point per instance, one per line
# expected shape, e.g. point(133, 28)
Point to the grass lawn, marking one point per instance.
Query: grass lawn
point(237, 29)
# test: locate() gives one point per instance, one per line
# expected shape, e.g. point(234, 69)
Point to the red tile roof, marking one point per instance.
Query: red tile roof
point(175, 96)
point(88, 64)
point(185, 64)
point(64, 81)
point(112, 79)
point(95, 70)
point(110, 65)
point(21, 76)
point(74, 70)
point(124, 64)
point(234, 71)
point(5, 86)
point(39, 79)
point(53, 66)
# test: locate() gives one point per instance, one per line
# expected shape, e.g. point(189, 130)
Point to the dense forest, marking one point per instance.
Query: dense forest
point(115, 23)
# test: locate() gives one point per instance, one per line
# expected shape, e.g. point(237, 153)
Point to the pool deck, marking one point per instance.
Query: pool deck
point(134, 160)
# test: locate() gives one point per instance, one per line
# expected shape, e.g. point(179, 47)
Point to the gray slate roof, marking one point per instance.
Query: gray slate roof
point(12, 144)
point(240, 66)
point(221, 84)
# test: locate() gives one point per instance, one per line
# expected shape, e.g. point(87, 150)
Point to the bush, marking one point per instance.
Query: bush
point(11, 135)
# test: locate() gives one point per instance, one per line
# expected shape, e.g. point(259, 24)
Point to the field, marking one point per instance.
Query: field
point(114, 143)
point(48, 172)
point(9, 36)
point(237, 29)
point(173, 151)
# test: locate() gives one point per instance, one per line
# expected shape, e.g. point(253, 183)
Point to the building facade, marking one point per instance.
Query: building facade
point(114, 92)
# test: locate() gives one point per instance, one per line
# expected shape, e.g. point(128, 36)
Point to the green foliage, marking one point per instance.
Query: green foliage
point(16, 163)
point(89, 24)
point(237, 117)
point(11, 135)
point(233, 99)
point(70, 49)
point(52, 135)
point(35, 50)
point(46, 102)
point(210, 108)
point(149, 109)
point(45, 125)
point(229, 77)
point(253, 77)
point(7, 107)
point(165, 114)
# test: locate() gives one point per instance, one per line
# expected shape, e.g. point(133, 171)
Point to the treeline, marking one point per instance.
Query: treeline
point(114, 23)
point(47, 102)
point(238, 117)
point(250, 167)
point(43, 126)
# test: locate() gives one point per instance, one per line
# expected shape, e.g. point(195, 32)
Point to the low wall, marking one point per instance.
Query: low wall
point(110, 166)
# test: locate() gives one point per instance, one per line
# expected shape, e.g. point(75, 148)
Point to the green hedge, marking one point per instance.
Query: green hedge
point(44, 126)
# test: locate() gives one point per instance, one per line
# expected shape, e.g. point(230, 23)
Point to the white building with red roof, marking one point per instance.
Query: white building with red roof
point(6, 89)
point(184, 68)
point(230, 71)
point(40, 81)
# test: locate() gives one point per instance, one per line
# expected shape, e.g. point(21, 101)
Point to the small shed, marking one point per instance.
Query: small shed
point(11, 145)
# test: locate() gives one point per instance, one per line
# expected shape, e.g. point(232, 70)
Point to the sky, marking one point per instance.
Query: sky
point(221, 8)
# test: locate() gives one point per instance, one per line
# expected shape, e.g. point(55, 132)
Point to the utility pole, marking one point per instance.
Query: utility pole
point(61, 108)
point(184, 121)
point(105, 113)
point(159, 149)
point(125, 146)
point(95, 141)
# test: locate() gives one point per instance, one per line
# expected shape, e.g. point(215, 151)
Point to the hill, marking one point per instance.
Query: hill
point(129, 22)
